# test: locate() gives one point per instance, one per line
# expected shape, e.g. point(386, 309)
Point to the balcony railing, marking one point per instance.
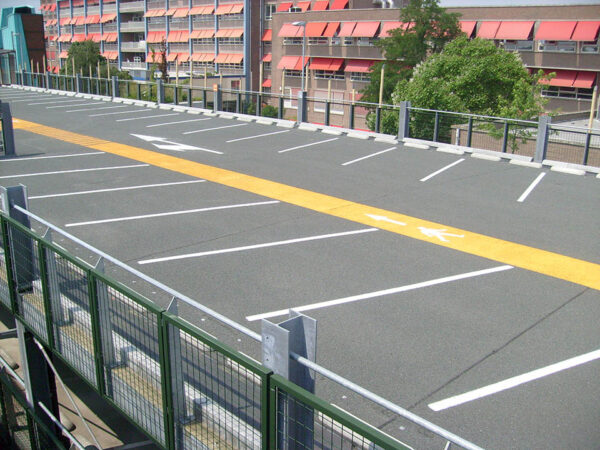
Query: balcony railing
point(131, 6)
point(133, 65)
point(133, 46)
point(135, 26)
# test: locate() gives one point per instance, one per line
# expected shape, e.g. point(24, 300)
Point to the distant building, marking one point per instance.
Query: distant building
point(245, 39)
point(22, 32)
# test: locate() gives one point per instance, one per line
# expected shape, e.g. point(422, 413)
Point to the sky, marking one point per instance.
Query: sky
point(33, 3)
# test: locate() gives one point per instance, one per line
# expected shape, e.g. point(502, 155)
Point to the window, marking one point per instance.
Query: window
point(292, 41)
point(270, 8)
point(318, 41)
point(293, 73)
point(335, 41)
point(520, 46)
point(326, 75)
point(231, 40)
point(589, 47)
point(348, 41)
point(567, 92)
point(266, 66)
point(335, 106)
point(225, 66)
point(291, 97)
point(557, 46)
point(203, 41)
point(360, 76)
point(364, 41)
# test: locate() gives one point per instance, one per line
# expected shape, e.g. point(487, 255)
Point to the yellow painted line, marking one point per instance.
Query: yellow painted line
point(544, 262)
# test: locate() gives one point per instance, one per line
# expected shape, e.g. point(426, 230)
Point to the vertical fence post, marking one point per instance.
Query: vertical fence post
point(469, 131)
point(160, 91)
point(8, 136)
point(238, 103)
point(127, 89)
point(59, 313)
point(44, 278)
point(586, 149)
point(404, 120)
point(327, 111)
point(377, 119)
point(175, 95)
point(138, 91)
point(436, 126)
point(541, 144)
point(77, 83)
point(280, 108)
point(47, 76)
point(259, 104)
point(115, 87)
point(189, 96)
point(17, 196)
point(204, 99)
point(351, 116)
point(298, 334)
point(302, 105)
point(218, 98)
point(505, 137)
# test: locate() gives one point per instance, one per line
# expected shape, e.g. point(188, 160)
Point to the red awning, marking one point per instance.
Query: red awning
point(291, 62)
point(52, 7)
point(92, 19)
point(64, 38)
point(236, 8)
point(109, 37)
point(181, 12)
point(329, 64)
point(96, 37)
point(222, 9)
point(155, 37)
point(267, 83)
point(339, 4)
point(358, 65)
point(586, 31)
point(467, 27)
point(172, 57)
point(555, 31)
point(563, 78)
point(303, 6)
point(289, 30)
point(347, 29)
point(487, 30)
point(365, 29)
point(267, 36)
point(78, 20)
point(64, 21)
point(518, 31)
point(171, 11)
point(268, 57)
point(315, 29)
point(386, 27)
point(63, 55)
point(78, 37)
point(202, 34)
point(584, 80)
point(331, 29)
point(320, 5)
point(107, 18)
point(173, 36)
point(284, 6)
point(183, 57)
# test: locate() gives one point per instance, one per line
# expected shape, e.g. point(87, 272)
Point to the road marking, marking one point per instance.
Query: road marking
point(514, 381)
point(146, 117)
point(70, 106)
point(531, 187)
point(126, 188)
point(385, 219)
point(118, 112)
point(25, 158)
point(53, 102)
point(74, 171)
point(437, 172)
point(24, 98)
point(369, 295)
point(253, 247)
point(307, 145)
point(347, 163)
point(179, 121)
point(96, 109)
point(585, 273)
point(439, 233)
point(174, 146)
point(215, 128)
point(257, 136)
point(171, 213)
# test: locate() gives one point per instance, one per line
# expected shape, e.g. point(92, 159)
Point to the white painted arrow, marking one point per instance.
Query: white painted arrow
point(174, 146)
point(440, 234)
point(385, 219)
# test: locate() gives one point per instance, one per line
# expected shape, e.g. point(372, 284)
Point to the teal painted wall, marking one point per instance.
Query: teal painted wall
point(12, 36)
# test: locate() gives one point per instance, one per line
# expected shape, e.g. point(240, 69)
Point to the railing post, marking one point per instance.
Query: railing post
point(115, 86)
point(298, 334)
point(505, 137)
point(351, 117)
point(259, 105)
point(586, 149)
point(218, 99)
point(204, 99)
point(327, 111)
point(139, 91)
point(77, 83)
point(469, 131)
point(377, 119)
point(8, 136)
point(404, 120)
point(127, 89)
point(189, 97)
point(175, 95)
point(541, 144)
point(23, 259)
point(238, 103)
point(160, 91)
point(302, 107)
point(47, 77)
point(436, 126)
point(280, 109)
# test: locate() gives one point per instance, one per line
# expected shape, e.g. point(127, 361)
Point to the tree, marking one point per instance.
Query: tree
point(428, 27)
point(84, 54)
point(471, 76)
point(159, 59)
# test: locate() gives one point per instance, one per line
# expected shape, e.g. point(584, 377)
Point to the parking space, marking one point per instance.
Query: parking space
point(431, 275)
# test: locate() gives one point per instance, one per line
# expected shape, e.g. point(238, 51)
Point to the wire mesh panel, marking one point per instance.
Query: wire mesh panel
point(70, 306)
point(129, 336)
point(26, 271)
point(4, 289)
point(14, 420)
point(303, 421)
point(578, 146)
point(218, 394)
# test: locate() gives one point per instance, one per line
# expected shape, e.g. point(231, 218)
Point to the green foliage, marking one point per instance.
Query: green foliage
point(431, 27)
point(160, 56)
point(270, 111)
point(84, 54)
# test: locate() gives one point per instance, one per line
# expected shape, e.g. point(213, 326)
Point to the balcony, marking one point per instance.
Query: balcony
point(133, 46)
point(131, 6)
point(133, 65)
point(580, 61)
point(110, 27)
point(111, 46)
point(133, 26)
point(92, 10)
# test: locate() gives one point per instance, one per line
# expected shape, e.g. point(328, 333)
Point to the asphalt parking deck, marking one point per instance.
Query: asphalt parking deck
point(431, 275)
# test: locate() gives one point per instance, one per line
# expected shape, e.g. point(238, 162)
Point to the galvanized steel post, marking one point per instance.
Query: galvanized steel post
point(404, 120)
point(541, 143)
point(8, 136)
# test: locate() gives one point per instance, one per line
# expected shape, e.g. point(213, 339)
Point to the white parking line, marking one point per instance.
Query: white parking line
point(74, 171)
point(146, 117)
point(172, 213)
point(437, 172)
point(514, 381)
point(306, 145)
point(53, 102)
point(531, 187)
point(25, 158)
point(252, 247)
point(178, 121)
point(257, 136)
point(126, 188)
point(96, 109)
point(70, 106)
point(25, 98)
point(216, 128)
point(396, 290)
point(369, 156)
point(118, 112)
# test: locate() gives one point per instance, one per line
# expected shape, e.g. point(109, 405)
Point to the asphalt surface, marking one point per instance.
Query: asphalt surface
point(416, 346)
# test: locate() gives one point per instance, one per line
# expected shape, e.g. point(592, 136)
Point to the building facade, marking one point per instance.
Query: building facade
point(259, 43)
point(22, 31)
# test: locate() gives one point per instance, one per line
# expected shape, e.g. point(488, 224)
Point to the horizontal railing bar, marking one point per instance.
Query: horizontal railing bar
point(414, 108)
point(72, 438)
point(145, 277)
point(574, 129)
point(385, 403)
point(12, 373)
